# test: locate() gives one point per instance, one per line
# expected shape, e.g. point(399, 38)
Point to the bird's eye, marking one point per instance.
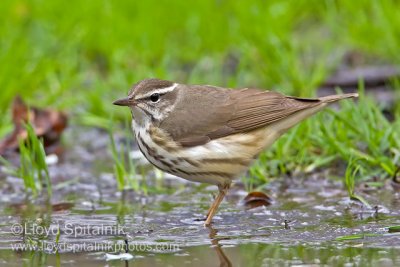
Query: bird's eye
point(155, 97)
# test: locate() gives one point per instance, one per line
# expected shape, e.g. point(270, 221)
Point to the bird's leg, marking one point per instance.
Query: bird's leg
point(213, 209)
point(213, 205)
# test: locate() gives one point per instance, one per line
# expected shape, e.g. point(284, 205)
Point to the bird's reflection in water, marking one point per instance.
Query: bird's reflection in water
point(223, 259)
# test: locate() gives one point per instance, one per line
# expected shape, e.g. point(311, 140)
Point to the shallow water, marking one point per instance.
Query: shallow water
point(310, 222)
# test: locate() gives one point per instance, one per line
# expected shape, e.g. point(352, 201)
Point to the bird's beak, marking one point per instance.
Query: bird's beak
point(124, 102)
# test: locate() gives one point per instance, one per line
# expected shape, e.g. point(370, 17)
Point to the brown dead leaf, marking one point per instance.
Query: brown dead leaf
point(25, 207)
point(62, 206)
point(256, 199)
point(47, 123)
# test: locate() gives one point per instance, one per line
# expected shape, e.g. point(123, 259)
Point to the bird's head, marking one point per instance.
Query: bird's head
point(150, 100)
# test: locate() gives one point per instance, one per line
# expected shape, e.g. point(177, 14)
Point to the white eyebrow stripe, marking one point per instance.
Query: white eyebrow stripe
point(160, 91)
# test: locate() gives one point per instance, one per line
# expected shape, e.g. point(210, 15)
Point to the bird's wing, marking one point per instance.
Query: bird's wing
point(218, 112)
point(255, 108)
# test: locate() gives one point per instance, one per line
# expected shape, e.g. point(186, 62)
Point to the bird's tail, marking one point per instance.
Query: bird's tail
point(334, 98)
point(313, 105)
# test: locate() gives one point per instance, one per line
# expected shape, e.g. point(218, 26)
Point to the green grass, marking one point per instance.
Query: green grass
point(358, 135)
point(81, 57)
point(124, 170)
point(349, 180)
point(32, 166)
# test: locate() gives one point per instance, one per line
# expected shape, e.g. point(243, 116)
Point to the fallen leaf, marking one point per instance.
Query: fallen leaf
point(47, 123)
point(256, 199)
point(24, 207)
point(62, 206)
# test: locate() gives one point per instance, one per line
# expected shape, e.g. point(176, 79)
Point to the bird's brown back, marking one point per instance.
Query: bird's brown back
point(204, 113)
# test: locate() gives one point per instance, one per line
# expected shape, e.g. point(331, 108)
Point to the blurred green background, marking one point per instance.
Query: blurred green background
point(79, 56)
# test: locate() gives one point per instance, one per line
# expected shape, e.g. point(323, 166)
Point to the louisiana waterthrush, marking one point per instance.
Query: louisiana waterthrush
point(211, 134)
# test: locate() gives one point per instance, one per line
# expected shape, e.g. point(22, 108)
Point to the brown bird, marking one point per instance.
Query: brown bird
point(211, 134)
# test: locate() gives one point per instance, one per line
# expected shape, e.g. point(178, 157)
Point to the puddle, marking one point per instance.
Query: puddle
point(310, 221)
